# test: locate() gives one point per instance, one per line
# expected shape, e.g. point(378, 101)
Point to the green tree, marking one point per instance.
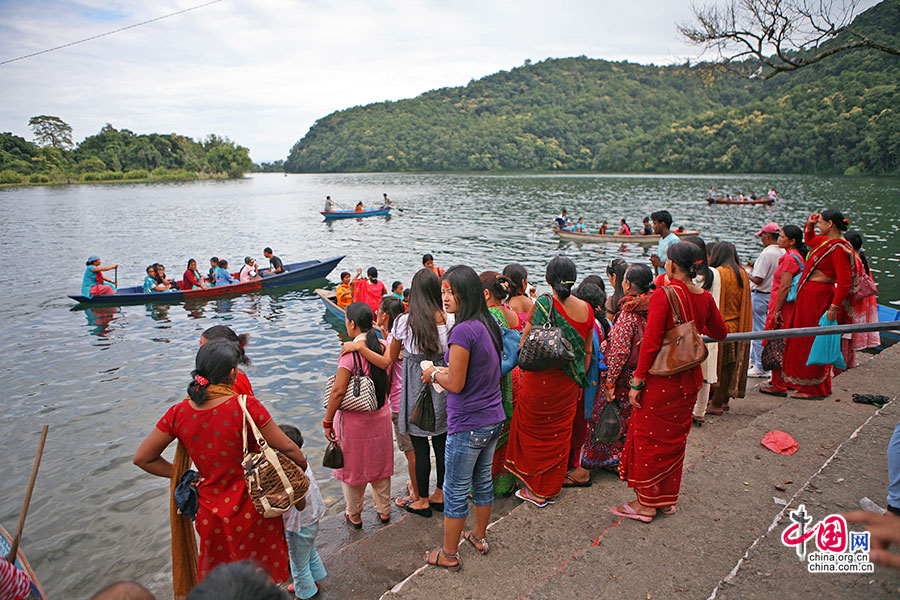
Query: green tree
point(51, 131)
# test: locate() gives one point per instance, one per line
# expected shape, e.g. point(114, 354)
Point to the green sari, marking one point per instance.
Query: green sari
point(504, 482)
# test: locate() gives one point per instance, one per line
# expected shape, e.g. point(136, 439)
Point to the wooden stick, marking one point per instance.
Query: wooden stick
point(14, 547)
point(116, 277)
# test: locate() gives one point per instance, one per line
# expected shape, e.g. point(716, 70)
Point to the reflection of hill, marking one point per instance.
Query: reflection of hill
point(594, 115)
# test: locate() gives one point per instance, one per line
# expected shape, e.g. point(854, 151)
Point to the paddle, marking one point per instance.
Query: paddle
point(116, 277)
point(14, 547)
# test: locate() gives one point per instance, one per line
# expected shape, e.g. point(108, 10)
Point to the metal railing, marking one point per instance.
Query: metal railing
point(808, 331)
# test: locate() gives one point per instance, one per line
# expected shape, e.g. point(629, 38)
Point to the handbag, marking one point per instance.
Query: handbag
point(609, 429)
point(422, 413)
point(867, 286)
point(795, 282)
point(275, 482)
point(510, 357)
point(826, 349)
point(545, 347)
point(360, 395)
point(333, 457)
point(682, 347)
point(773, 354)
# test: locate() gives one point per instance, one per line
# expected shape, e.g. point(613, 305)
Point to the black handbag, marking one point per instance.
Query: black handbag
point(333, 457)
point(609, 429)
point(422, 414)
point(773, 354)
point(545, 347)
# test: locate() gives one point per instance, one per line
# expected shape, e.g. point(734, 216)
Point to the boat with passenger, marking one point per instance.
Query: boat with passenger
point(607, 238)
point(356, 214)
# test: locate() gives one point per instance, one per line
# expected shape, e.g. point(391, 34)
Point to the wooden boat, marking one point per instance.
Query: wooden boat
point(887, 314)
point(352, 214)
point(733, 201)
point(21, 561)
point(607, 238)
point(329, 299)
point(293, 273)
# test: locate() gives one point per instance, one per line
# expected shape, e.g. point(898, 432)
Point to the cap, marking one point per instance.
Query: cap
point(248, 259)
point(769, 227)
point(92, 258)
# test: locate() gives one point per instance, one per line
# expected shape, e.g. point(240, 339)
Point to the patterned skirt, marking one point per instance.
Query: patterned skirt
point(594, 455)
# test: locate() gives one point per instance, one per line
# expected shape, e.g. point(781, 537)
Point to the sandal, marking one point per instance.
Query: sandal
point(571, 482)
point(668, 510)
point(353, 524)
point(715, 412)
point(422, 512)
point(627, 512)
point(433, 558)
point(698, 421)
point(807, 397)
point(469, 536)
point(384, 520)
point(773, 391)
point(524, 494)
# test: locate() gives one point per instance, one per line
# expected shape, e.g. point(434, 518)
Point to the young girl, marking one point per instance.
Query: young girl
point(474, 412)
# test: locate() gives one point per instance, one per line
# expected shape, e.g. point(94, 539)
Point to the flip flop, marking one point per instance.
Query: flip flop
point(353, 523)
point(438, 506)
point(470, 537)
point(627, 512)
point(384, 521)
point(807, 397)
point(523, 494)
point(574, 483)
point(434, 556)
point(773, 391)
point(714, 412)
point(422, 512)
point(668, 510)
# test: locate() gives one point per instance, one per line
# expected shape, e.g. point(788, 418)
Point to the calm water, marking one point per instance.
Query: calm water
point(101, 379)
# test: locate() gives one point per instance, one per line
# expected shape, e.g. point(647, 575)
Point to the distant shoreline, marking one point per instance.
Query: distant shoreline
point(119, 181)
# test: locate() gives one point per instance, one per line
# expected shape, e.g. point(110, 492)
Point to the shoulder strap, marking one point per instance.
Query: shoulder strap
point(675, 306)
point(242, 401)
point(799, 260)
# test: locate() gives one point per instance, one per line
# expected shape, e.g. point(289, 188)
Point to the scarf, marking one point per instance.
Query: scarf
point(638, 304)
point(817, 254)
point(185, 561)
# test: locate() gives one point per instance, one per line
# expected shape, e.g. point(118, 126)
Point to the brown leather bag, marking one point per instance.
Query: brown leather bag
point(682, 347)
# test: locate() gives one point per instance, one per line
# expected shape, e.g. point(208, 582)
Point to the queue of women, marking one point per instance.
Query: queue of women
point(528, 432)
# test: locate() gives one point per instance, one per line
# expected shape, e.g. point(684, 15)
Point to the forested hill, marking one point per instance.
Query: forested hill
point(839, 116)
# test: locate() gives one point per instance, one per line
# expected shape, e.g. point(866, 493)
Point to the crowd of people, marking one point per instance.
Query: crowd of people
point(527, 432)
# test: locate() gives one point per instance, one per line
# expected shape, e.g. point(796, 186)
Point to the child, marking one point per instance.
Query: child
point(579, 226)
point(603, 227)
point(223, 277)
point(300, 528)
point(345, 291)
point(397, 290)
point(405, 300)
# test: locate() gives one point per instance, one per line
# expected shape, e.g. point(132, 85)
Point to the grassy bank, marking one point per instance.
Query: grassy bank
point(12, 179)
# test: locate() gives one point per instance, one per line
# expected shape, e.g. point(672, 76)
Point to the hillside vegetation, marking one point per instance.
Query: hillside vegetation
point(581, 114)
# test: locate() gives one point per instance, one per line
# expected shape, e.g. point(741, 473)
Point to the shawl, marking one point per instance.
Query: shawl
point(574, 369)
point(818, 254)
point(738, 386)
point(185, 561)
point(639, 304)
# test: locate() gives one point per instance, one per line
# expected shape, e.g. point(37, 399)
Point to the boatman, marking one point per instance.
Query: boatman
point(661, 221)
point(276, 266)
point(329, 204)
point(562, 222)
point(95, 283)
point(386, 201)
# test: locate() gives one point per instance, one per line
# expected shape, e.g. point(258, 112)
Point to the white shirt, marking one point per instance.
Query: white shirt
point(295, 520)
point(403, 333)
point(765, 267)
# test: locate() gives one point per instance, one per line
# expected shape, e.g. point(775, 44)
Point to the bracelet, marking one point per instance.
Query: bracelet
point(433, 375)
point(637, 386)
point(327, 424)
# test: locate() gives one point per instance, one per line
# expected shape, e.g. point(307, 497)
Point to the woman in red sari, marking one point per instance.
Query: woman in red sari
point(653, 457)
point(827, 287)
point(208, 423)
point(540, 433)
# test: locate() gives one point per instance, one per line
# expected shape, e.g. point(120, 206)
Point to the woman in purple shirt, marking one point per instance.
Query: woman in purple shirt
point(474, 413)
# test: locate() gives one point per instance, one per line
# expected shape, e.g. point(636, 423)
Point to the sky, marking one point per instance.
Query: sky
point(260, 72)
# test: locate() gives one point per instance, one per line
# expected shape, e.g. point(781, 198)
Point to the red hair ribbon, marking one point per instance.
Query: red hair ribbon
point(201, 380)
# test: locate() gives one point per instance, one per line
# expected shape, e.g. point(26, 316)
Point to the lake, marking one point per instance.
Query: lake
point(102, 378)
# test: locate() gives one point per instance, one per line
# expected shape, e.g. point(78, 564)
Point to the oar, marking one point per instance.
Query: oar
point(116, 277)
point(14, 547)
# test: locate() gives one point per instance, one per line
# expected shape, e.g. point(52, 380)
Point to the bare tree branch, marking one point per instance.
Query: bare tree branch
point(782, 35)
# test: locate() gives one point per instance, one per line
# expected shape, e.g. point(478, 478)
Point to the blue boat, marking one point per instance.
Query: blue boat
point(352, 214)
point(294, 273)
point(885, 315)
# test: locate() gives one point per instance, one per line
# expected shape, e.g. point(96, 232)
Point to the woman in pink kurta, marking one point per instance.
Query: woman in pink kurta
point(366, 438)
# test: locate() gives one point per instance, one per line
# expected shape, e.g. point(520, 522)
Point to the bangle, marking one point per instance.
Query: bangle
point(433, 375)
point(635, 385)
point(327, 424)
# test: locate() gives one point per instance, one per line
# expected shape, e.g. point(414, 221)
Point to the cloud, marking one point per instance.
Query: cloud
point(262, 71)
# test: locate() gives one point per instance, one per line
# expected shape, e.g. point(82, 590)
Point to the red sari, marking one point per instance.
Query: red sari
point(835, 259)
point(653, 457)
point(229, 527)
point(540, 433)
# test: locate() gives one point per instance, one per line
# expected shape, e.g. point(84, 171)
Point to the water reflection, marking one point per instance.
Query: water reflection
point(100, 319)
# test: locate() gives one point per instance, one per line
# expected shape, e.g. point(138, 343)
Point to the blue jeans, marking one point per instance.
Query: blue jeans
point(760, 308)
point(306, 566)
point(467, 458)
point(893, 459)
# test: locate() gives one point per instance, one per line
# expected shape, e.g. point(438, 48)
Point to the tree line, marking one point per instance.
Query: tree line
point(115, 154)
point(838, 116)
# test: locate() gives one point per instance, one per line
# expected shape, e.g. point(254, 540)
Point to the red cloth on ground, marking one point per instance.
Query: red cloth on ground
point(229, 527)
point(653, 456)
point(543, 418)
point(780, 442)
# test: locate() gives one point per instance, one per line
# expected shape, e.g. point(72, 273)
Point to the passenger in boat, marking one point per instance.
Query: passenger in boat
point(428, 263)
point(161, 277)
point(95, 283)
point(344, 291)
point(329, 204)
point(213, 263)
point(369, 290)
point(711, 193)
point(397, 290)
point(624, 229)
point(648, 230)
point(740, 197)
point(249, 272)
point(275, 264)
point(772, 195)
point(150, 282)
point(603, 227)
point(386, 201)
point(562, 222)
point(359, 206)
point(662, 221)
point(728, 197)
point(579, 226)
point(221, 274)
point(192, 279)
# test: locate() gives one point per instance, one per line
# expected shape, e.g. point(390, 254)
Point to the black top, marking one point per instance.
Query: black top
point(276, 263)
